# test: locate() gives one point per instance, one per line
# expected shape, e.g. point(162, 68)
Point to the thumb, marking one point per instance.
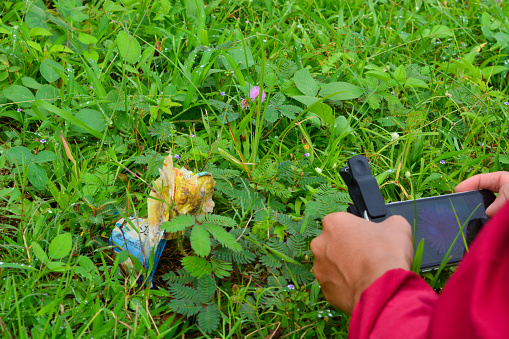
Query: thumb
point(500, 201)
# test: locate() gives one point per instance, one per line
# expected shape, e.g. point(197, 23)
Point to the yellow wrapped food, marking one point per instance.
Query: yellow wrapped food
point(174, 192)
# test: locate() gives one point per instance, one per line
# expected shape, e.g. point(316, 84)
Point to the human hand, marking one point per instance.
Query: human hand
point(497, 182)
point(351, 253)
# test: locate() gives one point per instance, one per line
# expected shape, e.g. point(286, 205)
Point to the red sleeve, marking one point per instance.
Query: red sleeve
point(473, 304)
point(475, 300)
point(397, 305)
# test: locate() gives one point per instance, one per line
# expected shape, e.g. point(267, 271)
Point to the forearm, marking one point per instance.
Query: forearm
point(397, 305)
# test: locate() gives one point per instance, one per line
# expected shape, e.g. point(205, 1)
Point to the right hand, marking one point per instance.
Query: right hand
point(497, 182)
point(351, 253)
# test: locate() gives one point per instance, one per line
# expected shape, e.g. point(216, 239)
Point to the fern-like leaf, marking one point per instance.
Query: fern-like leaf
point(278, 189)
point(196, 266)
point(287, 69)
point(277, 281)
point(200, 240)
point(226, 239)
point(270, 261)
point(221, 268)
point(181, 277)
point(163, 130)
point(216, 219)
point(301, 274)
point(206, 288)
point(208, 318)
point(242, 257)
point(184, 307)
point(184, 292)
point(289, 111)
point(178, 223)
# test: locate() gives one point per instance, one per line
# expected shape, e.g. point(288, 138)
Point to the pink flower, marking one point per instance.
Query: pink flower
point(253, 93)
point(244, 104)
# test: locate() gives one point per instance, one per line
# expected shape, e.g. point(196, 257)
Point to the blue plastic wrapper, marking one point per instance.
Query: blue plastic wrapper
point(125, 237)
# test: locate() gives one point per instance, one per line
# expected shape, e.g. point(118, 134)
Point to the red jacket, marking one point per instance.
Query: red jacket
point(473, 304)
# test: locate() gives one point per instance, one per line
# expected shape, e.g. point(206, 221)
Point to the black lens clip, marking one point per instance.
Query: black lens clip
point(363, 189)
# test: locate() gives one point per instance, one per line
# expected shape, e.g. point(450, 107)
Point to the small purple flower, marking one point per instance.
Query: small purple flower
point(442, 162)
point(482, 144)
point(255, 91)
point(247, 21)
point(19, 110)
point(191, 135)
point(91, 87)
point(291, 287)
point(43, 141)
point(506, 103)
point(176, 156)
point(222, 94)
point(307, 154)
point(393, 93)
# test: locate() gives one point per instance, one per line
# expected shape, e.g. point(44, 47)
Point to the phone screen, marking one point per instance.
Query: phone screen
point(439, 220)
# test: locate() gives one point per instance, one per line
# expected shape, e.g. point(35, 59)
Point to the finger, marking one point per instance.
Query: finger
point(336, 222)
point(500, 201)
point(489, 181)
point(316, 246)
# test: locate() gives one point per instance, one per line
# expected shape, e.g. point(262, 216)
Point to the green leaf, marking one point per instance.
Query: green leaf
point(196, 266)
point(324, 111)
point(87, 39)
point(48, 70)
point(39, 252)
point(19, 94)
point(305, 82)
point(67, 116)
point(400, 73)
point(200, 241)
point(178, 223)
point(341, 91)
point(208, 318)
point(382, 76)
point(306, 100)
point(341, 126)
point(20, 155)
point(30, 83)
point(20, 266)
point(413, 82)
point(60, 246)
point(242, 58)
point(34, 45)
point(503, 158)
point(121, 257)
point(492, 70)
point(128, 47)
point(58, 266)
point(91, 118)
point(44, 156)
point(38, 31)
point(226, 239)
point(87, 264)
point(47, 93)
point(37, 176)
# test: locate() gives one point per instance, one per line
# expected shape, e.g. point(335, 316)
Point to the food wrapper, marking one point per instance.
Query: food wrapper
point(176, 191)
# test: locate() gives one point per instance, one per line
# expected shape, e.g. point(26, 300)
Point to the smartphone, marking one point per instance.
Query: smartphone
point(438, 220)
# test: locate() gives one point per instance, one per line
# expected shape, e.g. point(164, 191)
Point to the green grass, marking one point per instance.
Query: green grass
point(94, 94)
